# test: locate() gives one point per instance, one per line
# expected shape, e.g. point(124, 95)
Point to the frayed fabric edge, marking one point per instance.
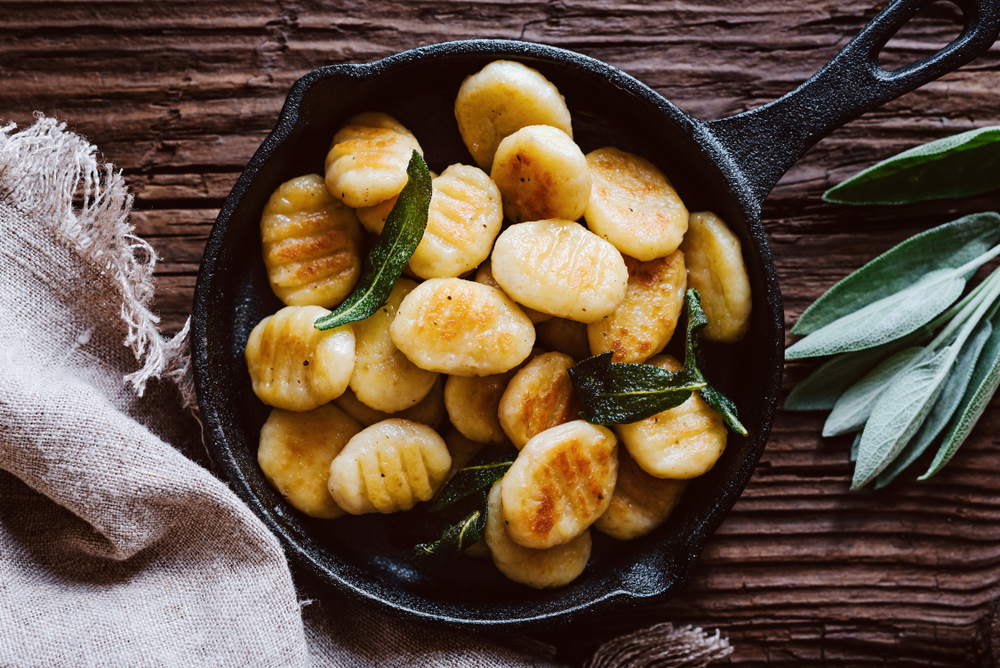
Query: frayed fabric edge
point(662, 646)
point(54, 174)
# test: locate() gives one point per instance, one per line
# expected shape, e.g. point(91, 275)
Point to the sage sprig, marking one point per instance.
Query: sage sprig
point(959, 166)
point(404, 227)
point(901, 390)
point(620, 393)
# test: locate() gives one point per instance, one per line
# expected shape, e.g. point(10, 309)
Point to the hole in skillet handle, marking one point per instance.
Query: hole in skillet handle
point(932, 29)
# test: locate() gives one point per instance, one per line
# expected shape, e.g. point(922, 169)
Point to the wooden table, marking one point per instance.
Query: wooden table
point(179, 94)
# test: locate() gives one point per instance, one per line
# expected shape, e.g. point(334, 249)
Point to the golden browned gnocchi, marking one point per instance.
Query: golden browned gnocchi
point(643, 323)
point(311, 244)
point(373, 218)
point(560, 483)
point(541, 174)
point(462, 328)
point(539, 396)
point(716, 270)
point(564, 336)
point(383, 377)
point(633, 205)
point(295, 366)
point(429, 411)
point(484, 275)
point(473, 402)
point(542, 569)
point(680, 443)
point(640, 502)
point(463, 220)
point(367, 161)
point(499, 100)
point(295, 454)
point(389, 466)
point(561, 268)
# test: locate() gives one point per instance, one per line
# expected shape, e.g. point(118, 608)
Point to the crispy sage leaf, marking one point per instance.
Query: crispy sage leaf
point(946, 246)
point(981, 389)
point(400, 236)
point(898, 413)
point(855, 405)
point(944, 407)
point(959, 166)
point(431, 557)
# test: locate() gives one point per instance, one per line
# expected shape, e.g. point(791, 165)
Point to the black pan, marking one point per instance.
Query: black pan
point(727, 166)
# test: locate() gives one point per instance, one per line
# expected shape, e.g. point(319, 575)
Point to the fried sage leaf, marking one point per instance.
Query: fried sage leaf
point(959, 166)
point(947, 246)
point(400, 236)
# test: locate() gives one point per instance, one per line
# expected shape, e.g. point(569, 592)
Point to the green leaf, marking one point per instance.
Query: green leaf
point(898, 414)
point(488, 466)
point(431, 557)
point(623, 393)
point(959, 166)
point(855, 406)
point(400, 236)
point(943, 409)
point(855, 447)
point(980, 390)
point(947, 246)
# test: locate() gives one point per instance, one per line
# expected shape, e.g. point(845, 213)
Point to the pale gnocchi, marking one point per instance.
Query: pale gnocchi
point(429, 411)
point(388, 467)
point(311, 244)
point(295, 366)
point(561, 268)
point(640, 503)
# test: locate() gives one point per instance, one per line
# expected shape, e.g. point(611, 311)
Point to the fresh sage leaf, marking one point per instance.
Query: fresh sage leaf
point(947, 246)
point(622, 393)
point(404, 227)
point(855, 447)
point(898, 413)
point(855, 406)
point(959, 166)
point(943, 409)
point(431, 557)
point(978, 394)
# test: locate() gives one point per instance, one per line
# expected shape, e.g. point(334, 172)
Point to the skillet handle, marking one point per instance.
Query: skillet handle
point(766, 141)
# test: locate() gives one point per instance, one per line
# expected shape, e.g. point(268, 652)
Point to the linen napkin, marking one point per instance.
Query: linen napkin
point(117, 548)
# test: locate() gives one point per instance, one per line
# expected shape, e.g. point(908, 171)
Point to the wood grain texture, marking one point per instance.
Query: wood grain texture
point(178, 94)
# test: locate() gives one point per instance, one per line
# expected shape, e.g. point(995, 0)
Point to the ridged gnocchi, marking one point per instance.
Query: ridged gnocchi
point(716, 270)
point(640, 502)
point(680, 443)
point(463, 220)
point(499, 100)
point(484, 275)
point(367, 162)
point(429, 411)
point(462, 328)
point(561, 268)
point(644, 322)
point(295, 453)
point(560, 483)
point(295, 366)
point(311, 244)
point(541, 174)
point(388, 467)
point(542, 569)
point(384, 378)
point(539, 396)
point(633, 205)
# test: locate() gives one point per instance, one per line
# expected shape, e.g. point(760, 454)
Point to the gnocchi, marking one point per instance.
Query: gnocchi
point(564, 336)
point(644, 322)
point(311, 244)
point(473, 403)
point(384, 378)
point(680, 443)
point(561, 268)
point(541, 174)
point(389, 466)
point(442, 325)
point(295, 366)
point(295, 454)
point(633, 205)
point(484, 275)
point(367, 161)
point(560, 483)
point(499, 100)
point(430, 411)
point(538, 397)
point(716, 271)
point(640, 502)
point(542, 569)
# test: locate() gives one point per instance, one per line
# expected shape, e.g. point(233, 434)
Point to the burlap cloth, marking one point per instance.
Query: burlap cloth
point(116, 547)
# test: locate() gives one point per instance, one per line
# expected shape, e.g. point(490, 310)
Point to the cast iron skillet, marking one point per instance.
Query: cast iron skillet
point(727, 166)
